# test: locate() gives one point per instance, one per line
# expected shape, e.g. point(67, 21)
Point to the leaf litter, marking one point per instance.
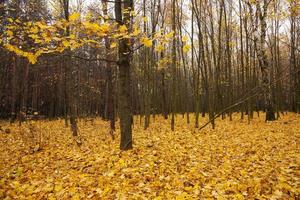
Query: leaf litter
point(237, 160)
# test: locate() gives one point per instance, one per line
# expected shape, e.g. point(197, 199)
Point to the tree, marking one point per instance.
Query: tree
point(110, 77)
point(70, 80)
point(263, 59)
point(124, 75)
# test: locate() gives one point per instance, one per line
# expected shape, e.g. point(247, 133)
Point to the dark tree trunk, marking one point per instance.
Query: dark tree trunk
point(110, 80)
point(124, 78)
point(13, 90)
point(264, 64)
point(70, 80)
point(164, 98)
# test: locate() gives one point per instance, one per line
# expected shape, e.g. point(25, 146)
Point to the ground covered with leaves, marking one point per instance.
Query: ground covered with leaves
point(41, 160)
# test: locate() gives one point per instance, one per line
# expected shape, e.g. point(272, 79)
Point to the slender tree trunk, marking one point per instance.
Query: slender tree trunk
point(124, 77)
point(264, 63)
point(70, 80)
point(110, 79)
point(174, 60)
point(25, 88)
point(13, 89)
point(242, 58)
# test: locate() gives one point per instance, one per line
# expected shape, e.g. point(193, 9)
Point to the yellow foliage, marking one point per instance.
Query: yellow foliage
point(185, 38)
point(136, 31)
point(159, 48)
point(66, 43)
point(132, 13)
point(94, 27)
point(34, 30)
point(32, 58)
point(170, 35)
point(113, 45)
point(147, 42)
point(9, 33)
point(73, 17)
point(186, 48)
point(145, 19)
point(53, 36)
point(105, 28)
point(234, 161)
point(123, 29)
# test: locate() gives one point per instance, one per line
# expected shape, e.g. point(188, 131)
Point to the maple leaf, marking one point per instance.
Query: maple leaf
point(74, 16)
point(105, 28)
point(170, 35)
point(186, 48)
point(123, 29)
point(159, 48)
point(113, 45)
point(185, 38)
point(146, 41)
point(32, 58)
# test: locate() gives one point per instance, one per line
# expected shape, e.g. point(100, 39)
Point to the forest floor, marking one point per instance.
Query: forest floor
point(234, 161)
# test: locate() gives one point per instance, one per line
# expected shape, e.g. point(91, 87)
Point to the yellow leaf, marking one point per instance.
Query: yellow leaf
point(105, 28)
point(34, 30)
point(159, 48)
point(76, 197)
point(91, 26)
point(32, 58)
point(74, 16)
point(123, 29)
point(183, 196)
point(277, 194)
point(72, 36)
point(46, 36)
point(145, 19)
point(169, 35)
point(185, 38)
point(58, 188)
point(9, 33)
point(51, 198)
point(113, 45)
point(133, 13)
point(136, 32)
point(33, 36)
point(146, 41)
point(41, 25)
point(186, 48)
point(122, 163)
point(66, 43)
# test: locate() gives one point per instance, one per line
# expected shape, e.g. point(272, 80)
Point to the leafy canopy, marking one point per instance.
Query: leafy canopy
point(33, 39)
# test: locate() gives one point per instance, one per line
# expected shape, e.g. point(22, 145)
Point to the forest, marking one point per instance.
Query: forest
point(160, 99)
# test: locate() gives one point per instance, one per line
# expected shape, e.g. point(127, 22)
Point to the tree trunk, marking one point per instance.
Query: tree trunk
point(173, 99)
point(264, 63)
point(70, 80)
point(124, 77)
point(110, 80)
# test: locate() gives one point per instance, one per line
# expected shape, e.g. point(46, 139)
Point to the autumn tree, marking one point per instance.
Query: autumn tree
point(124, 74)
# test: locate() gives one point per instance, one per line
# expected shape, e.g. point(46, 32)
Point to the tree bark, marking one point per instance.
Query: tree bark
point(70, 80)
point(124, 77)
point(264, 62)
point(110, 80)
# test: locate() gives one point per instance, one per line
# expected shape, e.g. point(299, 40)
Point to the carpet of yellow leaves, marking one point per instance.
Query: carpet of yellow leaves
point(234, 161)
